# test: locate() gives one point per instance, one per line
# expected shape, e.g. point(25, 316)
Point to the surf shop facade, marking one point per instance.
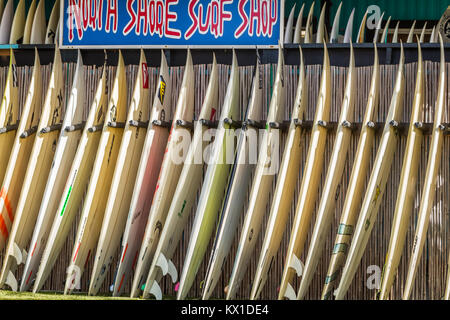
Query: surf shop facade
point(257, 30)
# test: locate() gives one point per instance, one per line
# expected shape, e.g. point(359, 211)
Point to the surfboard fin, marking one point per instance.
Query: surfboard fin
point(11, 281)
point(156, 291)
point(172, 271)
point(19, 255)
point(297, 265)
point(290, 292)
point(162, 263)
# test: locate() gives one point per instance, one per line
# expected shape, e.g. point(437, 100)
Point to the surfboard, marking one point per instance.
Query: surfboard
point(377, 29)
point(29, 23)
point(309, 26)
point(395, 35)
point(35, 177)
point(447, 288)
point(50, 34)
point(298, 26)
point(385, 31)
point(214, 184)
point(411, 33)
point(266, 168)
point(310, 183)
point(76, 184)
point(330, 191)
point(377, 183)
point(422, 34)
point(18, 24)
point(123, 179)
point(7, 19)
point(348, 35)
point(407, 185)
point(185, 194)
point(9, 114)
point(288, 31)
point(362, 29)
point(233, 204)
point(431, 174)
point(356, 184)
point(146, 178)
point(321, 31)
point(39, 28)
point(334, 35)
point(2, 7)
point(433, 34)
point(94, 203)
point(285, 186)
point(57, 177)
point(169, 175)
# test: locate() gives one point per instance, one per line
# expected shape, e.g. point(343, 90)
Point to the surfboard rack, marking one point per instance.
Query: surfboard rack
point(96, 128)
point(51, 128)
point(138, 124)
point(9, 128)
point(185, 124)
point(209, 123)
point(118, 125)
point(161, 123)
point(28, 132)
point(254, 124)
point(76, 127)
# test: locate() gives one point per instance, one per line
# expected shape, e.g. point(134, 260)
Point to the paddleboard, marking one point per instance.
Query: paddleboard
point(214, 184)
point(94, 203)
point(377, 183)
point(36, 176)
point(185, 194)
point(39, 28)
point(123, 179)
point(29, 23)
point(20, 152)
point(76, 184)
point(285, 187)
point(233, 205)
point(431, 174)
point(146, 178)
point(6, 22)
point(62, 161)
point(310, 183)
point(50, 34)
point(169, 175)
point(356, 184)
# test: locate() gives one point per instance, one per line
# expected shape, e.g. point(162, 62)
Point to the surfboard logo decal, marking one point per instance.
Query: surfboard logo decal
point(144, 76)
point(162, 89)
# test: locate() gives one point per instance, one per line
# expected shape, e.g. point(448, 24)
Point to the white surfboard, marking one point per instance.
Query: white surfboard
point(38, 30)
point(240, 178)
point(169, 174)
point(266, 168)
point(362, 29)
point(185, 193)
point(69, 137)
point(36, 176)
point(214, 185)
point(146, 178)
point(298, 26)
point(310, 184)
point(334, 35)
point(348, 35)
point(29, 23)
point(76, 183)
point(377, 29)
point(309, 25)
point(50, 35)
point(123, 179)
point(286, 181)
point(321, 30)
point(332, 182)
point(376, 185)
point(94, 203)
point(6, 22)
point(288, 31)
point(18, 24)
point(2, 7)
point(20, 153)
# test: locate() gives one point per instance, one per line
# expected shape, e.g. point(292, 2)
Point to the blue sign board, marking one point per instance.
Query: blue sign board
point(171, 23)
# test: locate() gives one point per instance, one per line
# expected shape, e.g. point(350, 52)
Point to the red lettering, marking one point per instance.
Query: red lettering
point(254, 16)
point(264, 17)
point(194, 25)
point(159, 18)
point(225, 15)
point(92, 14)
point(240, 30)
point(152, 16)
point(74, 14)
point(132, 22)
point(142, 15)
point(111, 13)
point(171, 33)
point(203, 28)
point(85, 11)
point(214, 18)
point(100, 14)
point(273, 15)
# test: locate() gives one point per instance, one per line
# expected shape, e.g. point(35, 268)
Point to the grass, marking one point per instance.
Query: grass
point(10, 295)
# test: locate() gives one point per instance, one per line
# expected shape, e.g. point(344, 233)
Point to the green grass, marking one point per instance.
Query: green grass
point(10, 295)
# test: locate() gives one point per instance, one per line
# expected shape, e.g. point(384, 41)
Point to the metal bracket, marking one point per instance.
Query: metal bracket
point(51, 128)
point(120, 125)
point(9, 128)
point(160, 123)
point(79, 126)
point(254, 124)
point(96, 128)
point(185, 124)
point(138, 124)
point(28, 132)
point(209, 123)
point(278, 125)
point(233, 123)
